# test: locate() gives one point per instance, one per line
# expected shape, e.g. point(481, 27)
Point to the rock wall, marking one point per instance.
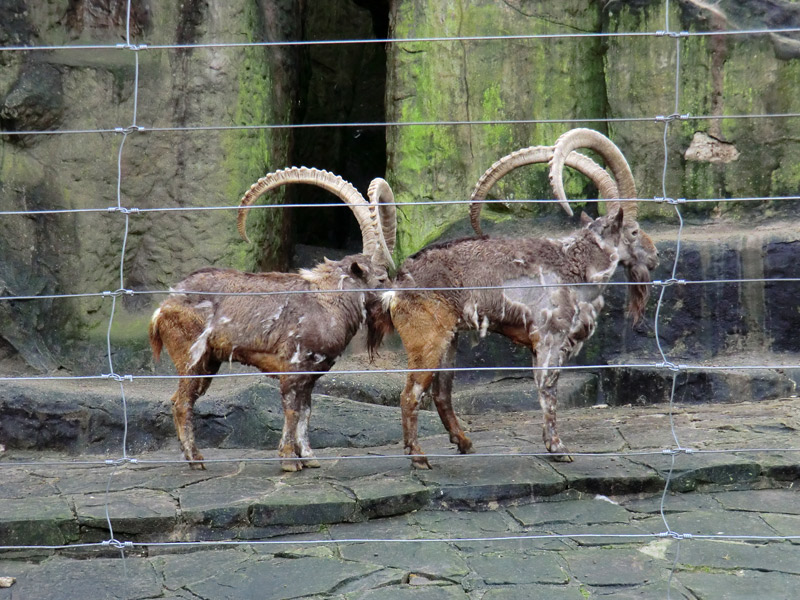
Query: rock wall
point(79, 253)
point(586, 77)
point(596, 79)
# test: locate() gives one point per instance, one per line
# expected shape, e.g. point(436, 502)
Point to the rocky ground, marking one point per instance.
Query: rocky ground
point(505, 522)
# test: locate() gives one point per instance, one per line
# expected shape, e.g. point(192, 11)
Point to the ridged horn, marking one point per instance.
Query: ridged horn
point(382, 198)
point(533, 155)
point(366, 214)
point(613, 157)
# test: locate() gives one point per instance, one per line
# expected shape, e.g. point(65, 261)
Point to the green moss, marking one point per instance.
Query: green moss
point(492, 104)
point(461, 81)
point(129, 329)
point(248, 153)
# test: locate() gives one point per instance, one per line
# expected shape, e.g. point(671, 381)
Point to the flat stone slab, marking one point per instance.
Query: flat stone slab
point(155, 496)
point(427, 554)
point(506, 522)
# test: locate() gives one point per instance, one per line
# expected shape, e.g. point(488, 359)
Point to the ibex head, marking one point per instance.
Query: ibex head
point(636, 250)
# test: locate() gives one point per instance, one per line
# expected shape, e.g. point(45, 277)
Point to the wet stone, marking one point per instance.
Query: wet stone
point(304, 505)
point(787, 525)
point(277, 579)
point(744, 585)
point(586, 512)
point(504, 568)
point(609, 475)
point(472, 481)
point(222, 502)
point(133, 512)
point(777, 557)
point(730, 523)
point(387, 497)
point(762, 501)
point(48, 521)
point(59, 577)
point(411, 592)
point(534, 591)
point(691, 470)
point(609, 566)
point(434, 560)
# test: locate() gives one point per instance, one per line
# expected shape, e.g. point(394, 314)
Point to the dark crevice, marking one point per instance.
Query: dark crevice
point(340, 84)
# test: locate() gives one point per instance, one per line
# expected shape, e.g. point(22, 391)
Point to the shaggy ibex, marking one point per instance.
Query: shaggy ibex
point(530, 299)
point(277, 322)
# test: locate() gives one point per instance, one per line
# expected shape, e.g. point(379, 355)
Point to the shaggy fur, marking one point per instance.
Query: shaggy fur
point(533, 304)
point(202, 325)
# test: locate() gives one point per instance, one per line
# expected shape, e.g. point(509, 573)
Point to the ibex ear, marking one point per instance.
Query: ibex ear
point(358, 271)
point(586, 220)
point(619, 218)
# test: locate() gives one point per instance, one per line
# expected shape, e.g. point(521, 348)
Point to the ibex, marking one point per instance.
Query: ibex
point(520, 288)
point(293, 324)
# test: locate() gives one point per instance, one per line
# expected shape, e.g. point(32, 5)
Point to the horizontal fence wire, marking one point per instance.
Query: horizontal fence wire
point(678, 451)
point(392, 290)
point(400, 205)
point(446, 39)
point(375, 124)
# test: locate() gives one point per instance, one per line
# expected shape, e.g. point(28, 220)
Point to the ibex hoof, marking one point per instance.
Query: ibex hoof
point(465, 446)
point(420, 462)
point(311, 462)
point(562, 458)
point(196, 462)
point(290, 466)
point(560, 452)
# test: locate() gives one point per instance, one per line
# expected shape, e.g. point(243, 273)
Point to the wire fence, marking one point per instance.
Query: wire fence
point(118, 210)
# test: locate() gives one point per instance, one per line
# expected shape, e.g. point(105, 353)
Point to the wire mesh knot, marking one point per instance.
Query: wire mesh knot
point(134, 47)
point(117, 377)
point(669, 282)
point(128, 129)
point(117, 293)
point(124, 210)
point(670, 365)
point(675, 201)
point(117, 544)
point(676, 451)
point(672, 117)
point(672, 34)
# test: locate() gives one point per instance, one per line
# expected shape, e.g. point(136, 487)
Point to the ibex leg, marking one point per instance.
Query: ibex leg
point(442, 396)
point(189, 390)
point(427, 329)
point(303, 446)
point(291, 400)
point(547, 384)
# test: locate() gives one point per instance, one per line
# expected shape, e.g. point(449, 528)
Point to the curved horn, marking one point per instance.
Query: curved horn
point(613, 157)
point(365, 214)
point(382, 198)
point(533, 155)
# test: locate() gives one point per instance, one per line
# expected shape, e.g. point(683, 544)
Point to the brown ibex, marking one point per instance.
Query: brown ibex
point(520, 288)
point(293, 324)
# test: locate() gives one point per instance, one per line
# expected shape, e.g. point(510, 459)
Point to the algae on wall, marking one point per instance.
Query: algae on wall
point(80, 253)
point(492, 81)
point(629, 81)
point(731, 76)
